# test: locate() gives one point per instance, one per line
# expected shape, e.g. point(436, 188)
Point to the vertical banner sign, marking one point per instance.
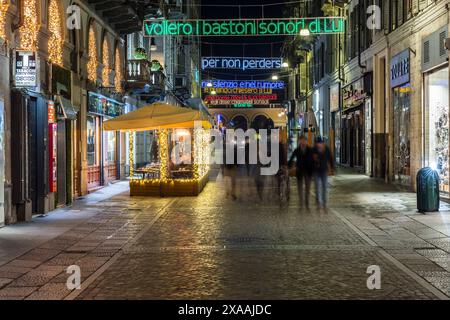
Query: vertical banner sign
point(52, 131)
point(25, 69)
point(51, 112)
point(335, 97)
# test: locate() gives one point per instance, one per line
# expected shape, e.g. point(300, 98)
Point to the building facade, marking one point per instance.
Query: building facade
point(384, 105)
point(66, 68)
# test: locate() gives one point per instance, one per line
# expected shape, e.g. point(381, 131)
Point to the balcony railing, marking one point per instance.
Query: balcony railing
point(140, 75)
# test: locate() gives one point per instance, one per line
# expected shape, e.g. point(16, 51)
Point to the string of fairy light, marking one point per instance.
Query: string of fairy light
point(55, 44)
point(105, 61)
point(163, 136)
point(30, 27)
point(118, 69)
point(92, 56)
point(4, 6)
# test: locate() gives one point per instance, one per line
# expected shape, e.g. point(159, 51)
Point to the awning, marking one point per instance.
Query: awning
point(68, 111)
point(157, 116)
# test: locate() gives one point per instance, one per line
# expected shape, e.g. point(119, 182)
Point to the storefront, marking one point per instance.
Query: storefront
point(436, 124)
point(63, 120)
point(103, 147)
point(29, 129)
point(436, 109)
point(29, 170)
point(2, 161)
point(335, 131)
point(356, 124)
point(401, 100)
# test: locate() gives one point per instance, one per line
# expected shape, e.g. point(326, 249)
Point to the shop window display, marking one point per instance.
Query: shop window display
point(91, 140)
point(437, 126)
point(111, 145)
point(181, 157)
point(402, 102)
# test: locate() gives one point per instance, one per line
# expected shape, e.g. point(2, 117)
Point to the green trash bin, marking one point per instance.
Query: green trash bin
point(427, 190)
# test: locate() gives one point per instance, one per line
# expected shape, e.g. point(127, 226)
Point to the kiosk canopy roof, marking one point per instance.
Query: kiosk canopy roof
point(157, 116)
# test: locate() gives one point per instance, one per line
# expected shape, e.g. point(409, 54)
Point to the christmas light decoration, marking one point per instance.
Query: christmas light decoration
point(105, 61)
point(30, 27)
point(201, 153)
point(131, 153)
point(55, 44)
point(200, 166)
point(118, 76)
point(92, 56)
point(4, 6)
point(163, 152)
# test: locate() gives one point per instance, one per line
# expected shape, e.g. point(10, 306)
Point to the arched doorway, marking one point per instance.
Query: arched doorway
point(262, 122)
point(239, 122)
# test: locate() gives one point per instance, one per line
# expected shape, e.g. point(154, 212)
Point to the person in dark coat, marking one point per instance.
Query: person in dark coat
point(303, 157)
point(229, 168)
point(322, 165)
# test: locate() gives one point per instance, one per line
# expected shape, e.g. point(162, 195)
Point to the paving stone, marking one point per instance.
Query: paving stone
point(5, 281)
point(211, 247)
point(16, 292)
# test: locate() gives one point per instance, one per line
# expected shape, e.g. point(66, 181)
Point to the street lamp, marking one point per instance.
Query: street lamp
point(274, 77)
point(304, 33)
point(213, 92)
point(153, 46)
point(285, 65)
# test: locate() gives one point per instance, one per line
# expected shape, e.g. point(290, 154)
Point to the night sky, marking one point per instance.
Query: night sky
point(245, 46)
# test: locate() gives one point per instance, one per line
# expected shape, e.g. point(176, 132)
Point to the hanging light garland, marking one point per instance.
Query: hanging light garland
point(163, 151)
point(55, 44)
point(118, 75)
point(92, 64)
point(4, 6)
point(105, 61)
point(30, 27)
point(131, 153)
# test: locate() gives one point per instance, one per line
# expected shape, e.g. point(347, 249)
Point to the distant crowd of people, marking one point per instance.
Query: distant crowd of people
point(310, 163)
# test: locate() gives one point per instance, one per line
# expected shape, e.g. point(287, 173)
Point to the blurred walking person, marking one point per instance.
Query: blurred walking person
point(282, 175)
point(322, 165)
point(303, 158)
point(229, 169)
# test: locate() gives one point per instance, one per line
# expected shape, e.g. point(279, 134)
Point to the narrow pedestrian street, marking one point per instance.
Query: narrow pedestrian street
point(211, 247)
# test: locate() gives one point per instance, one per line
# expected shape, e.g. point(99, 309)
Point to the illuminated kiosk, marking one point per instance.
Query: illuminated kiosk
point(175, 128)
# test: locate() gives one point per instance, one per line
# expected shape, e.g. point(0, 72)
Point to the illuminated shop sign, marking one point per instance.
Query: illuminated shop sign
point(261, 99)
point(25, 75)
point(354, 94)
point(243, 84)
point(244, 27)
point(241, 63)
point(104, 106)
point(400, 69)
point(242, 105)
point(237, 91)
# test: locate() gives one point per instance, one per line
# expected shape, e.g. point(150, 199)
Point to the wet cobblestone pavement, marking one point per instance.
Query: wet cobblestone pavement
point(211, 247)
